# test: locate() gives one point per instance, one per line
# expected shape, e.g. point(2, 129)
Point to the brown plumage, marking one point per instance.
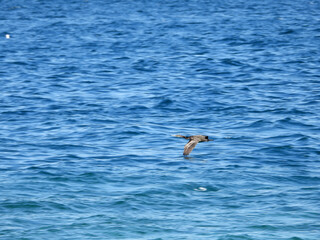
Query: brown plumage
point(193, 141)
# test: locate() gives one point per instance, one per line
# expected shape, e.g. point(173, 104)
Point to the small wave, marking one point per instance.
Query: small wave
point(145, 65)
point(138, 108)
point(261, 123)
point(232, 62)
point(165, 102)
point(21, 205)
point(288, 122)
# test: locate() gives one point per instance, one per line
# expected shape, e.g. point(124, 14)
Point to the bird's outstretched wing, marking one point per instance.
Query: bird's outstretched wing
point(179, 136)
point(189, 147)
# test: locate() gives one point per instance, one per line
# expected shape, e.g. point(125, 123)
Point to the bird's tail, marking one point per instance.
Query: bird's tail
point(179, 136)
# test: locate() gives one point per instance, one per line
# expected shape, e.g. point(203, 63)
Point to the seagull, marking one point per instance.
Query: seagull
point(193, 140)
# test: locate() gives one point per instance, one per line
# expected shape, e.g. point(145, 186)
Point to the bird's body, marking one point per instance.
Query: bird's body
point(193, 141)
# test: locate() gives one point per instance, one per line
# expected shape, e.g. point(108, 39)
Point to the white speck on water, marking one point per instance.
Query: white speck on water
point(7, 36)
point(200, 189)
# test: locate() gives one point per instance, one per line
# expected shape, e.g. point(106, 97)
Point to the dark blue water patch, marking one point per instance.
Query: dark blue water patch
point(144, 65)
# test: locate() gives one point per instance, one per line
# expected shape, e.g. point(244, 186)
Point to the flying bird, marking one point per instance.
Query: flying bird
point(193, 141)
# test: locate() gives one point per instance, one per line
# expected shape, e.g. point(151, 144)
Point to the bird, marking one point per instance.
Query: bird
point(193, 141)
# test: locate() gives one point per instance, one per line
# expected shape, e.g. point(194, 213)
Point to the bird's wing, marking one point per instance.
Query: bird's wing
point(179, 136)
point(189, 147)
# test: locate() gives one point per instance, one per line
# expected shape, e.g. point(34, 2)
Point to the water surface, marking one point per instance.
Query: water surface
point(91, 92)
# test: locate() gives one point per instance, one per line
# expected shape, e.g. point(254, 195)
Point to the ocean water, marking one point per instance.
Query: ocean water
point(91, 92)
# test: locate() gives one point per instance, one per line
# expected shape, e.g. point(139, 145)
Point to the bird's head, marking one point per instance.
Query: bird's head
point(207, 139)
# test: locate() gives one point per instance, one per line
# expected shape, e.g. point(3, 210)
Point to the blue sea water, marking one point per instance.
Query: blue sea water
point(91, 92)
